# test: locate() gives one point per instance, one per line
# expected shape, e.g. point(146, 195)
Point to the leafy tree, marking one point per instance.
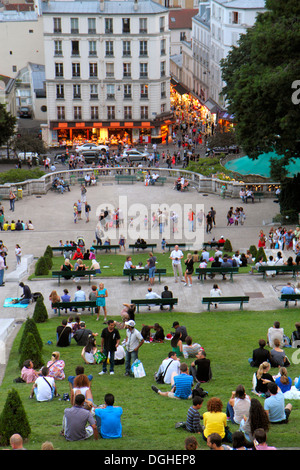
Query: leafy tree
point(227, 248)
point(29, 143)
point(289, 199)
point(13, 419)
point(7, 125)
point(30, 350)
point(260, 252)
point(259, 75)
point(41, 267)
point(40, 314)
point(30, 327)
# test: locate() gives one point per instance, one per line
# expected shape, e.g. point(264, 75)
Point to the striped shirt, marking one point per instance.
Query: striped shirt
point(193, 420)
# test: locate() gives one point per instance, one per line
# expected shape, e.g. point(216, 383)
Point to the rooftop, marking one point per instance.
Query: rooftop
point(110, 7)
point(181, 18)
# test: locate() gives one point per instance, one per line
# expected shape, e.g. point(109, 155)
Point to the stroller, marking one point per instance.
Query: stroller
point(81, 244)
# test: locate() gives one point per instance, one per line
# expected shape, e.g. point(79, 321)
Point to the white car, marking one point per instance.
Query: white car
point(90, 146)
point(134, 155)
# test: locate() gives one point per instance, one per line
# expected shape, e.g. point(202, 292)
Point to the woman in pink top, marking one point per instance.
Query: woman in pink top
point(28, 374)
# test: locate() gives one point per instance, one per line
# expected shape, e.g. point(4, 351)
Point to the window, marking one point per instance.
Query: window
point(93, 70)
point(92, 48)
point(127, 112)
point(111, 112)
point(60, 113)
point(109, 48)
point(92, 25)
point(143, 70)
point(76, 70)
point(74, 26)
point(163, 108)
point(163, 47)
point(109, 26)
point(126, 48)
point(163, 90)
point(143, 48)
point(57, 25)
point(93, 92)
point(75, 48)
point(57, 48)
point(235, 17)
point(162, 24)
point(126, 25)
point(144, 112)
point(110, 70)
point(126, 70)
point(162, 69)
point(60, 94)
point(94, 112)
point(110, 92)
point(143, 25)
point(77, 112)
point(182, 36)
point(144, 91)
point(59, 70)
point(76, 92)
point(127, 92)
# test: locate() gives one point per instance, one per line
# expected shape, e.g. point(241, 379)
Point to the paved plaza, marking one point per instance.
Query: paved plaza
point(52, 217)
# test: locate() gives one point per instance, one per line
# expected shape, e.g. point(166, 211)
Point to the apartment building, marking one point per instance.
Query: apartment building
point(107, 70)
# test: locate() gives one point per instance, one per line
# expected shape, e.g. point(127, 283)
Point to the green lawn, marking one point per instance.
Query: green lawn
point(112, 264)
point(149, 419)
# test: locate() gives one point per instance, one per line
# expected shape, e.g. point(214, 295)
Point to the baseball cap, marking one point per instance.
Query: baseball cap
point(130, 323)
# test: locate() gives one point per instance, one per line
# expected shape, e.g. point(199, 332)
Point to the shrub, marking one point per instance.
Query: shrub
point(31, 350)
point(13, 419)
point(48, 251)
point(261, 252)
point(30, 327)
point(40, 314)
point(253, 250)
point(227, 246)
point(48, 261)
point(41, 267)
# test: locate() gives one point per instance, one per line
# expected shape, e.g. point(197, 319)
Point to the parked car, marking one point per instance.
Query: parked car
point(31, 156)
point(90, 146)
point(134, 155)
point(90, 156)
point(25, 112)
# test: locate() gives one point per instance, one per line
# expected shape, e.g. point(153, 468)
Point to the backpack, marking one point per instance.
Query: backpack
point(198, 391)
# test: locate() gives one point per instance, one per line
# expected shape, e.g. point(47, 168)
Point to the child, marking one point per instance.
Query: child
point(163, 245)
point(192, 423)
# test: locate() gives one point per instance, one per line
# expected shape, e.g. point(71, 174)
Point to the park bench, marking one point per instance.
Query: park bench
point(73, 274)
point(63, 248)
point(161, 180)
point(122, 178)
point(90, 304)
point(211, 245)
point(170, 301)
point(180, 245)
point(258, 195)
point(106, 248)
point(143, 246)
point(225, 300)
point(203, 272)
point(289, 298)
point(279, 270)
point(131, 272)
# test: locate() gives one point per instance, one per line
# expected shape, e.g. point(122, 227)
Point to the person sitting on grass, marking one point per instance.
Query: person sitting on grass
point(44, 388)
point(192, 423)
point(108, 418)
point(181, 385)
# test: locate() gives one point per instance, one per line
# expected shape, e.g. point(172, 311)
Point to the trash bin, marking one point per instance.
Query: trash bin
point(20, 193)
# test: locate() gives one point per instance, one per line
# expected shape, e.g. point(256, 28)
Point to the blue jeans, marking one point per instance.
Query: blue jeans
point(111, 360)
point(151, 272)
point(1, 276)
point(130, 356)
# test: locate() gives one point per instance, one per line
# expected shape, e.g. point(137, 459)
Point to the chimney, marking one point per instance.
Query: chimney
point(101, 5)
point(135, 5)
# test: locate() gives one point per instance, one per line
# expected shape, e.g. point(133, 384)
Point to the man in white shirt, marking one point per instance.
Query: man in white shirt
point(44, 387)
point(152, 295)
point(79, 296)
point(176, 257)
point(133, 342)
point(170, 367)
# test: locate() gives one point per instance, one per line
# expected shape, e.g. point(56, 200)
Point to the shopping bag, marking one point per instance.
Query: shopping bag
point(99, 357)
point(138, 369)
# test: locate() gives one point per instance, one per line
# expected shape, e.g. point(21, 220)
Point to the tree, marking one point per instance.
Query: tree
point(30, 350)
point(30, 327)
point(29, 143)
point(259, 74)
point(40, 314)
point(7, 125)
point(41, 267)
point(13, 419)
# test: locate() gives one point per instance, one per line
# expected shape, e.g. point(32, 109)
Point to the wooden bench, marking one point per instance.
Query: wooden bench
point(161, 302)
point(258, 195)
point(161, 180)
point(279, 270)
point(73, 274)
point(225, 300)
point(142, 272)
point(289, 298)
point(202, 272)
point(143, 247)
point(180, 245)
point(106, 248)
point(63, 248)
point(210, 245)
point(123, 178)
point(91, 304)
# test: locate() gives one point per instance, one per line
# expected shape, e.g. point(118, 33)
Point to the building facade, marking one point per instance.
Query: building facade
point(107, 70)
